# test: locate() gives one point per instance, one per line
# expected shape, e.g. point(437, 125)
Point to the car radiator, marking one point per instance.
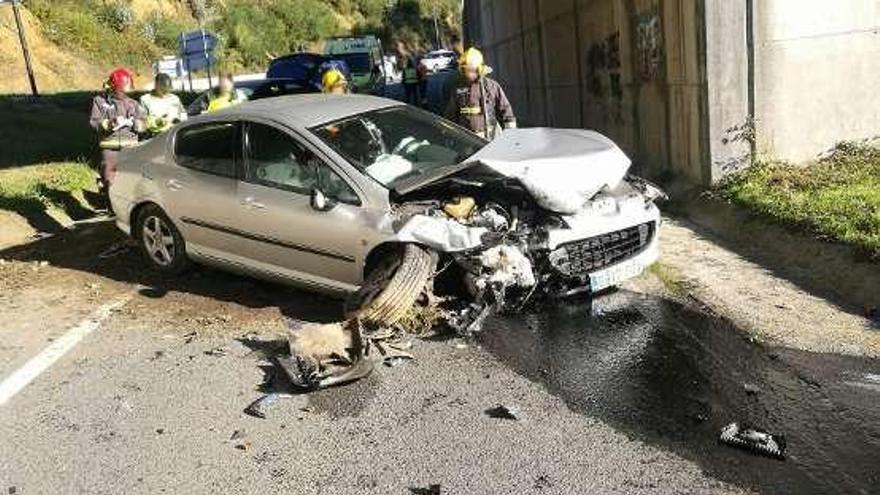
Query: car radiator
point(581, 257)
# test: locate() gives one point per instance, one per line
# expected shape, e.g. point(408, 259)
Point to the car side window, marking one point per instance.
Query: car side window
point(276, 159)
point(208, 148)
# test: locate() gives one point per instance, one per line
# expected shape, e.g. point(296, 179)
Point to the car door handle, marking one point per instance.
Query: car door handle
point(250, 202)
point(173, 185)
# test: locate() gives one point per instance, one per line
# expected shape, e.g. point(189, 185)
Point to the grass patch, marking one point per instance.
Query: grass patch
point(27, 190)
point(670, 278)
point(836, 198)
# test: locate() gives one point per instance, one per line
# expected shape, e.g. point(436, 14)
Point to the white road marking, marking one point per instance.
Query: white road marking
point(21, 377)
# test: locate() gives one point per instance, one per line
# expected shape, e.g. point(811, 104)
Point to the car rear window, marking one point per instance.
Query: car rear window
point(208, 148)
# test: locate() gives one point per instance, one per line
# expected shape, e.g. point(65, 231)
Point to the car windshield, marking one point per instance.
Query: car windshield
point(394, 143)
point(359, 63)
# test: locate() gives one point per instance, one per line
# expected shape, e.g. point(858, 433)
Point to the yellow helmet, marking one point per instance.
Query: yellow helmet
point(332, 79)
point(472, 59)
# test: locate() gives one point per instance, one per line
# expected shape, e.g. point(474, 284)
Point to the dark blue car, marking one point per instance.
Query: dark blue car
point(306, 68)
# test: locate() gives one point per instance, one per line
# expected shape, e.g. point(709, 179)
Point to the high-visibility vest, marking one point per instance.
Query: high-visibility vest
point(220, 102)
point(410, 75)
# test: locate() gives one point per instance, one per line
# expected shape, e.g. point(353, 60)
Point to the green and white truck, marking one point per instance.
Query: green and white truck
point(363, 55)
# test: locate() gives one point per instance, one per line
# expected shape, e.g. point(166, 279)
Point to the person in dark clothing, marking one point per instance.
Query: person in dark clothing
point(411, 82)
point(479, 103)
point(118, 120)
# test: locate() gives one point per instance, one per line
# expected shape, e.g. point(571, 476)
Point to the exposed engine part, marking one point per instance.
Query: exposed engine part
point(460, 208)
point(508, 266)
point(492, 217)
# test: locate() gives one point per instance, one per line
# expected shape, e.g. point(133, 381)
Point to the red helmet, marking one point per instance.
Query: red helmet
point(120, 78)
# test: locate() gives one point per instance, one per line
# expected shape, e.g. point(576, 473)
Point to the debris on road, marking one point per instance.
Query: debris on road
point(259, 407)
point(433, 489)
point(757, 441)
point(503, 412)
point(237, 435)
point(115, 249)
point(216, 352)
point(751, 388)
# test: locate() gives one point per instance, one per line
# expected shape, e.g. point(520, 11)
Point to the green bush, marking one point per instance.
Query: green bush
point(250, 31)
point(836, 198)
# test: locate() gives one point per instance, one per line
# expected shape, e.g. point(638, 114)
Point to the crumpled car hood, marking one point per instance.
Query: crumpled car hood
point(560, 168)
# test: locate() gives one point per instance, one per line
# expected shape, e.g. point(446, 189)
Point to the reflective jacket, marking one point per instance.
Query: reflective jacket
point(220, 101)
point(162, 111)
point(410, 75)
point(481, 106)
point(117, 119)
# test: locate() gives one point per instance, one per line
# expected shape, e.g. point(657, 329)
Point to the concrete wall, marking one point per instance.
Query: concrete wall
point(671, 81)
point(817, 74)
point(628, 68)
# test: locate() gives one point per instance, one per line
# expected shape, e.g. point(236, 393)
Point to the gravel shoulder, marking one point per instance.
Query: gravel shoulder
point(759, 299)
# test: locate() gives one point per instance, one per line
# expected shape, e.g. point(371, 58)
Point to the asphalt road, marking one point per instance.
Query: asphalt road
point(624, 394)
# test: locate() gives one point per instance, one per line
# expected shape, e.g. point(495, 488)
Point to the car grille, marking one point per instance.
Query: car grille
point(588, 255)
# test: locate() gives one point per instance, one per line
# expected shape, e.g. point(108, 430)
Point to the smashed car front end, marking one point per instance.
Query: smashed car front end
point(541, 212)
point(612, 239)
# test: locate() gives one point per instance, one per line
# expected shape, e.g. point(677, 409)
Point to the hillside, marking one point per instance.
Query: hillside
point(75, 42)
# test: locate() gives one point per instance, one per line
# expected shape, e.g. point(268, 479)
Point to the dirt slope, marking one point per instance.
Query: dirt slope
point(56, 69)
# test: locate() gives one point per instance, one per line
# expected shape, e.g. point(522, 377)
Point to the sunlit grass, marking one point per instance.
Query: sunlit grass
point(837, 198)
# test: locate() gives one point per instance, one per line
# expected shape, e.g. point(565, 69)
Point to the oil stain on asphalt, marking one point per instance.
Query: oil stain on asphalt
point(673, 376)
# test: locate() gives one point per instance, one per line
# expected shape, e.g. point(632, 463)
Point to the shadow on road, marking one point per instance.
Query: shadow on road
point(81, 248)
point(673, 376)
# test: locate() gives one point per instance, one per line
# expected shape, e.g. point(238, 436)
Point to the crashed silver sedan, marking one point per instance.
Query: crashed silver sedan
point(371, 197)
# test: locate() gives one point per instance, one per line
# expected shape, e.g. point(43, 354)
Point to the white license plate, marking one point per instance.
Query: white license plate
point(614, 276)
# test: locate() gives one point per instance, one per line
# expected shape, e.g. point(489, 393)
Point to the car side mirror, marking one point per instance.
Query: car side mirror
point(320, 202)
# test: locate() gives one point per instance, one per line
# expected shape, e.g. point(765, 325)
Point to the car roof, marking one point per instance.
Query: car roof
point(308, 110)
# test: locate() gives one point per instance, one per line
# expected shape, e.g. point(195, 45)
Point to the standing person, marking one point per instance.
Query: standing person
point(118, 119)
point(411, 82)
point(224, 94)
point(479, 103)
point(333, 82)
point(162, 106)
point(422, 72)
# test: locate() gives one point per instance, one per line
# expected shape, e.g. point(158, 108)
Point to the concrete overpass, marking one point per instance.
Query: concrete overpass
point(690, 88)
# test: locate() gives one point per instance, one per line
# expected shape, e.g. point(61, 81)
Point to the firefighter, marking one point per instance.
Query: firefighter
point(411, 82)
point(224, 95)
point(119, 120)
point(163, 107)
point(334, 82)
point(479, 103)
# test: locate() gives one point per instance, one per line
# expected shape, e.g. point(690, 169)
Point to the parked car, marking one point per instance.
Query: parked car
point(360, 194)
point(257, 89)
point(438, 60)
point(305, 68)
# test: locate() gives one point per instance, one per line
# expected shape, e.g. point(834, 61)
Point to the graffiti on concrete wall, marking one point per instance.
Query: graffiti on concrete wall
point(649, 46)
point(603, 74)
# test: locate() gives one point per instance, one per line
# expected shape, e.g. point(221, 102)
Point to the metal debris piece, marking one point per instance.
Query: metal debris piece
point(503, 412)
point(751, 388)
point(433, 489)
point(757, 441)
point(114, 249)
point(259, 407)
point(217, 352)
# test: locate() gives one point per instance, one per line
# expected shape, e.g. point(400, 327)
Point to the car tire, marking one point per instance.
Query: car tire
point(160, 243)
point(393, 286)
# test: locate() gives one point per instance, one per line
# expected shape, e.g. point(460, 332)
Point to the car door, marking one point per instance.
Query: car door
point(200, 189)
point(319, 246)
